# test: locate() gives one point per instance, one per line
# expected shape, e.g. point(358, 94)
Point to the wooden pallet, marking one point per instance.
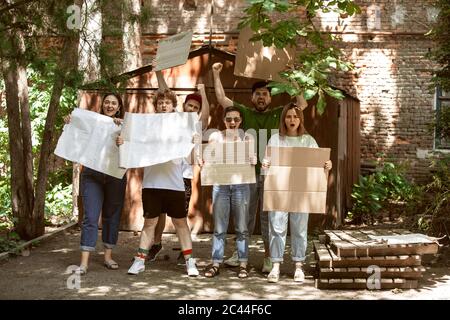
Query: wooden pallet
point(359, 283)
point(390, 272)
point(357, 243)
point(326, 258)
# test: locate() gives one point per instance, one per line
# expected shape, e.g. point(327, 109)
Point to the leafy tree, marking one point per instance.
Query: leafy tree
point(441, 52)
point(317, 56)
point(21, 23)
point(33, 117)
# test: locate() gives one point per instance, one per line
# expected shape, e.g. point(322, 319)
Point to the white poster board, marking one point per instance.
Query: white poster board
point(155, 138)
point(90, 139)
point(173, 51)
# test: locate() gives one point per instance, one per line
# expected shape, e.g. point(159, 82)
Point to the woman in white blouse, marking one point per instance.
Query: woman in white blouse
point(292, 133)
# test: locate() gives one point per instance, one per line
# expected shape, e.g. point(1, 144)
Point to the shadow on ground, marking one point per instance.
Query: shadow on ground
point(44, 275)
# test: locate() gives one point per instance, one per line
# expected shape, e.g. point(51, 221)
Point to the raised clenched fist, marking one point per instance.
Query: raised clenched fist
point(217, 67)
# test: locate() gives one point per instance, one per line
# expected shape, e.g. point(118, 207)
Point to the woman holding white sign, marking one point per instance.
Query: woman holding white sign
point(101, 193)
point(292, 134)
point(232, 199)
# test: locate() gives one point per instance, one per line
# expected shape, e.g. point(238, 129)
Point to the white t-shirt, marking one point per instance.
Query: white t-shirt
point(304, 140)
point(219, 136)
point(168, 175)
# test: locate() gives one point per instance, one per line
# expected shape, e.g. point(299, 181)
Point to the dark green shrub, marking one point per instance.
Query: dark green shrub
point(377, 191)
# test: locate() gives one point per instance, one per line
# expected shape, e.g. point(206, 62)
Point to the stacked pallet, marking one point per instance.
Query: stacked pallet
point(364, 259)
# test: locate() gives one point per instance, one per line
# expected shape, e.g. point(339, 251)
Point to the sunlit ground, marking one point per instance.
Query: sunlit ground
point(44, 274)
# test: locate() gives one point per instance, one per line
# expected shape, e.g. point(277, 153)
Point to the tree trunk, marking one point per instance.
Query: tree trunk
point(132, 37)
point(68, 61)
point(89, 64)
point(89, 44)
point(19, 130)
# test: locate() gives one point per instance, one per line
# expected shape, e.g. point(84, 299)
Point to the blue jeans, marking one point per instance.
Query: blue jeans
point(101, 194)
point(278, 222)
point(256, 203)
point(234, 199)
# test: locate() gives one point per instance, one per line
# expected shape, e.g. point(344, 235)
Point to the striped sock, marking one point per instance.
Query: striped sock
point(142, 253)
point(187, 254)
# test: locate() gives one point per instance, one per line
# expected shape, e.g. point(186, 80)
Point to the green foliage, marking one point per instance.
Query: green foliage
point(377, 191)
point(309, 74)
point(59, 197)
point(441, 50)
point(58, 204)
point(5, 190)
point(441, 125)
point(434, 204)
point(9, 242)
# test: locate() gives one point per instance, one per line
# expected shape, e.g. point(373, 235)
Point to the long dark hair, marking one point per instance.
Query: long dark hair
point(301, 128)
point(121, 112)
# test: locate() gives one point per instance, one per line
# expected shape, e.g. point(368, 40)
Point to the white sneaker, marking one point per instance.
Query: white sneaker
point(299, 275)
point(138, 266)
point(273, 276)
point(267, 265)
point(191, 267)
point(233, 261)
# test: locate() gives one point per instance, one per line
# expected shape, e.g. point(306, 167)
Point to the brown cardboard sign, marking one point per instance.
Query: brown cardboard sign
point(227, 163)
point(297, 182)
point(297, 179)
point(298, 156)
point(253, 60)
point(307, 202)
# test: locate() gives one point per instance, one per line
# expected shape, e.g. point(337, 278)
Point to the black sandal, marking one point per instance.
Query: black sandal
point(212, 271)
point(243, 272)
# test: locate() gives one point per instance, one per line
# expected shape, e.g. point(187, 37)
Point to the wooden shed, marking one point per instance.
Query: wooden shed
point(337, 128)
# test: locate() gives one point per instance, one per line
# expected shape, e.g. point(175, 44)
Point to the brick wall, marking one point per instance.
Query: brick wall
point(387, 45)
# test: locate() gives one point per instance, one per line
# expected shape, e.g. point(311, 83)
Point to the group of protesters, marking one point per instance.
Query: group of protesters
point(167, 187)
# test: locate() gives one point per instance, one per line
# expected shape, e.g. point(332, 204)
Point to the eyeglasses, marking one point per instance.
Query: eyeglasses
point(236, 119)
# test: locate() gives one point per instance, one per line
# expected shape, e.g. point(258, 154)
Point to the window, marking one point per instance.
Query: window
point(442, 119)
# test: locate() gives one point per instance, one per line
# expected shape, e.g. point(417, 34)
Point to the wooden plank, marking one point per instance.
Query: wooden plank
point(321, 251)
point(354, 243)
point(360, 284)
point(340, 246)
point(31, 242)
point(382, 261)
point(345, 273)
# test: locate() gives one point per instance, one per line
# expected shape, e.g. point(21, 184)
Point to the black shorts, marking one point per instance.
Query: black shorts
point(158, 201)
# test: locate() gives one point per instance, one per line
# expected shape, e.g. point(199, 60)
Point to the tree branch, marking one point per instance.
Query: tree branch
point(15, 5)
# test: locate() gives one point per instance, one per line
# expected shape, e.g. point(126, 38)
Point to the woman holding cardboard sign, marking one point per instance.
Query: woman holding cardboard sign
point(230, 199)
point(292, 134)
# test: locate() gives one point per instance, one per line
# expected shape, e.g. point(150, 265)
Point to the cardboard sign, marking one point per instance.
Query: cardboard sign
point(253, 60)
point(227, 163)
point(296, 180)
point(173, 51)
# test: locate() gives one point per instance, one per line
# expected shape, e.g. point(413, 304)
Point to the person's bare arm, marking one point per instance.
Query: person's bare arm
point(222, 99)
point(162, 85)
point(204, 116)
point(301, 102)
